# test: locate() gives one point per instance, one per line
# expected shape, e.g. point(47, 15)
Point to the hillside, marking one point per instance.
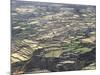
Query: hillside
point(50, 37)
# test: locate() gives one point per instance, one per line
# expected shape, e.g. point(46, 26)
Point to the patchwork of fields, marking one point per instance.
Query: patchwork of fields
point(50, 37)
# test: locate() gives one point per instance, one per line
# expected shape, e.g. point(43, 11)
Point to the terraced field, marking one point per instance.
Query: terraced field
point(50, 37)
